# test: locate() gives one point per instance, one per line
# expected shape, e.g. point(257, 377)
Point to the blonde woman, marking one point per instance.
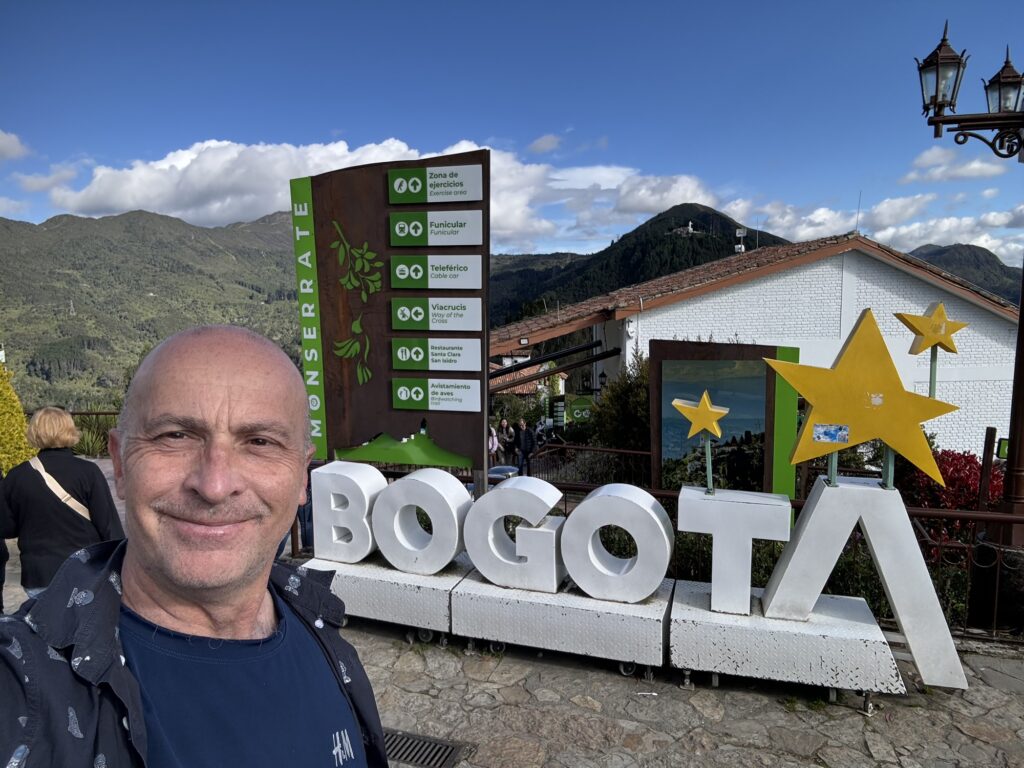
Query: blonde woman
point(55, 504)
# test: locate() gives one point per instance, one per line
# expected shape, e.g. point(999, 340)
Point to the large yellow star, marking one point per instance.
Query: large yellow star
point(931, 329)
point(861, 398)
point(702, 415)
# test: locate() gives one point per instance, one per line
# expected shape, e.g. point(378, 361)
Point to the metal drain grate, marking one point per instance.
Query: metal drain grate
point(421, 751)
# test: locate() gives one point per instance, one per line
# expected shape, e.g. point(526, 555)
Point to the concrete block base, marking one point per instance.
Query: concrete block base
point(374, 589)
point(567, 621)
point(839, 646)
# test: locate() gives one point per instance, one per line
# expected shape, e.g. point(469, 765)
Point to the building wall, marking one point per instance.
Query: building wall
point(815, 306)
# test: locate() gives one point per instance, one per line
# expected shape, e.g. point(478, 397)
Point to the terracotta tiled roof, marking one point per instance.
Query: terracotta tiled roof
point(714, 275)
point(526, 388)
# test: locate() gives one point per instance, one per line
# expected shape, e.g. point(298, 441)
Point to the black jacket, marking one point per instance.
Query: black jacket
point(66, 696)
point(526, 442)
point(46, 528)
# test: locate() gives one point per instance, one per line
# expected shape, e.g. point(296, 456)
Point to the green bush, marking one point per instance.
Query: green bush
point(93, 429)
point(14, 448)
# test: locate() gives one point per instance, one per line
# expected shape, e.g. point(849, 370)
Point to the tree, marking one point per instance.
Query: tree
point(622, 417)
point(14, 447)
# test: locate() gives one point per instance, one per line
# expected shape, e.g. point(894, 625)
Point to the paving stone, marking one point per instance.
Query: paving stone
point(987, 732)
point(509, 752)
point(708, 705)
point(742, 732)
point(1002, 674)
point(796, 741)
point(510, 670)
point(443, 666)
point(586, 702)
point(479, 667)
point(879, 747)
point(844, 757)
point(514, 694)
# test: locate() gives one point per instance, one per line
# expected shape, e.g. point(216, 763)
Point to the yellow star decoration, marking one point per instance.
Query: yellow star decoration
point(702, 415)
point(861, 398)
point(931, 329)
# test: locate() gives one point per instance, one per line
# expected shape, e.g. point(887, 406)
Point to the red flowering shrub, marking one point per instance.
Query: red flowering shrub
point(962, 472)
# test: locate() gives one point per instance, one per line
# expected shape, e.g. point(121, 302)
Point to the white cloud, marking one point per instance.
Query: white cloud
point(217, 182)
point(654, 194)
point(37, 182)
point(11, 146)
point(739, 209)
point(989, 193)
point(586, 177)
point(896, 210)
point(940, 164)
point(549, 142)
point(9, 207)
point(792, 223)
point(534, 205)
point(935, 155)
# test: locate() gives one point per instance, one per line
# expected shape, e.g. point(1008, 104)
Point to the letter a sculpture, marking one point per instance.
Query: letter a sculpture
point(861, 398)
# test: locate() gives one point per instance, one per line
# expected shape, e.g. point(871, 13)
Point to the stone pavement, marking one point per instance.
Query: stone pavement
point(522, 709)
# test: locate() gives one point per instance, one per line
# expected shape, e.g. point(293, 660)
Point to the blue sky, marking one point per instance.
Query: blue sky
point(599, 114)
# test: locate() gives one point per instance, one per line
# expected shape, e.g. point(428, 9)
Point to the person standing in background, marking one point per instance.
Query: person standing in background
point(506, 442)
point(526, 444)
point(56, 503)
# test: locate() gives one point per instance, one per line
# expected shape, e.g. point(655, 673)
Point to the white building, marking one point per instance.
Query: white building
point(809, 295)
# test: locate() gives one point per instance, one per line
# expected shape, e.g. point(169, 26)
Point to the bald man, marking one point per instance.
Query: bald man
point(187, 645)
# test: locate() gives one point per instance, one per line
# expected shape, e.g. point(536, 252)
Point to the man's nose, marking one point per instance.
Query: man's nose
point(215, 476)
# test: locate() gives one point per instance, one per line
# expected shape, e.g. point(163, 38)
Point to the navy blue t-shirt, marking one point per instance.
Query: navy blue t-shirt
point(269, 702)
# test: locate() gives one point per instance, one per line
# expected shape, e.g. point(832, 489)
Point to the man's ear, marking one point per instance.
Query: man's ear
point(114, 445)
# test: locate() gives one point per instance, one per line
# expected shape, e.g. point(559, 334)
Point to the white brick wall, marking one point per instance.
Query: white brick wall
point(814, 307)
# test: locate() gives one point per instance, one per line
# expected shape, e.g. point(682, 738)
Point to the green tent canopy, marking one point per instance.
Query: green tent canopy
point(418, 450)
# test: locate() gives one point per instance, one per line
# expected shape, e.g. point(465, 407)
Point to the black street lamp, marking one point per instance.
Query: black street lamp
point(941, 73)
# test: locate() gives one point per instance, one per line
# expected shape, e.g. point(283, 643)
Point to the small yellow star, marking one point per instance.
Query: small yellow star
point(931, 329)
point(861, 398)
point(702, 415)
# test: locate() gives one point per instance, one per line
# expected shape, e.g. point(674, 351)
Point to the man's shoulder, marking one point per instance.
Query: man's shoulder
point(308, 589)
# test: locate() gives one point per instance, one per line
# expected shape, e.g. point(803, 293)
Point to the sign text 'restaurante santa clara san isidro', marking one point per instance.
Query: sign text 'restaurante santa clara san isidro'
point(399, 252)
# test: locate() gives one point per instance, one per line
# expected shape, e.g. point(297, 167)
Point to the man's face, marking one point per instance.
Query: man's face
point(522, 424)
point(212, 464)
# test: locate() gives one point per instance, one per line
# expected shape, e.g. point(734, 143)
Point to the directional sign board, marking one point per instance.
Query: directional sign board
point(436, 394)
point(438, 272)
point(397, 255)
point(450, 184)
point(437, 354)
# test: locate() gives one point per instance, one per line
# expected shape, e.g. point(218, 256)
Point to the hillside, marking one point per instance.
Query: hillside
point(81, 299)
point(659, 246)
point(976, 265)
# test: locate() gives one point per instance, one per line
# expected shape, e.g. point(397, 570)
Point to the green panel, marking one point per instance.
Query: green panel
point(410, 354)
point(407, 185)
point(409, 272)
point(578, 408)
point(783, 473)
point(309, 310)
point(408, 229)
point(410, 394)
point(410, 314)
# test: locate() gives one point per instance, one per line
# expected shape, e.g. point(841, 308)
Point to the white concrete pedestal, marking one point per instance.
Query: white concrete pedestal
point(839, 646)
point(564, 621)
point(373, 589)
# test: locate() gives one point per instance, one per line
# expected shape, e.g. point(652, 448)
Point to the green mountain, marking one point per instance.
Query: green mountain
point(82, 299)
point(976, 265)
point(684, 236)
